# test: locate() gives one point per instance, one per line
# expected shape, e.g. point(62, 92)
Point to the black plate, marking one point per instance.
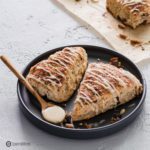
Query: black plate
point(102, 125)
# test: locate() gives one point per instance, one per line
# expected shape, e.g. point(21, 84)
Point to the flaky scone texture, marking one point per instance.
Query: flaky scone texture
point(104, 87)
point(59, 76)
point(130, 12)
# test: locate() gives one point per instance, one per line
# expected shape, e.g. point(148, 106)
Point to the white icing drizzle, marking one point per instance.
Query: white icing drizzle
point(51, 79)
point(105, 83)
point(134, 2)
point(93, 106)
point(96, 94)
point(79, 101)
point(54, 62)
point(72, 50)
point(110, 73)
point(131, 2)
point(96, 73)
point(110, 87)
point(126, 74)
point(57, 70)
point(51, 76)
point(132, 78)
point(61, 59)
point(91, 88)
point(97, 79)
point(45, 79)
point(45, 70)
point(36, 79)
point(85, 96)
point(69, 60)
point(70, 53)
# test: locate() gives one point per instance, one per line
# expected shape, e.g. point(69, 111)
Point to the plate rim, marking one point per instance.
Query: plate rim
point(105, 127)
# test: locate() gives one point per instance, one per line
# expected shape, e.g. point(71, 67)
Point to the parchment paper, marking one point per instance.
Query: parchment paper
point(96, 15)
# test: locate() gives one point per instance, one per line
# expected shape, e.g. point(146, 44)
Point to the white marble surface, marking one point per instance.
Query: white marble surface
point(27, 29)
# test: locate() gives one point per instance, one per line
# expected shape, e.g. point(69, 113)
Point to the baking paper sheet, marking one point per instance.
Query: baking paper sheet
point(96, 15)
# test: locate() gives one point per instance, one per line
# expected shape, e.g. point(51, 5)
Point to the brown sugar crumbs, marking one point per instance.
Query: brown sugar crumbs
point(135, 42)
point(122, 36)
point(121, 26)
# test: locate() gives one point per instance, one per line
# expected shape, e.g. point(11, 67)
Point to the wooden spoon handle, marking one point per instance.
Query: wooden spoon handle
point(23, 81)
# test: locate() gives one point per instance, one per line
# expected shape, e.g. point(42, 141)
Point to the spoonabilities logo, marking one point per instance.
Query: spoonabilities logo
point(9, 143)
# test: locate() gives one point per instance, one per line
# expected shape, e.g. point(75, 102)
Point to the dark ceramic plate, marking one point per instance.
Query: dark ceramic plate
point(101, 125)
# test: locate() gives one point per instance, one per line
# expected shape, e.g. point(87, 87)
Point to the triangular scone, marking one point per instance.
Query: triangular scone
point(130, 12)
point(59, 75)
point(104, 87)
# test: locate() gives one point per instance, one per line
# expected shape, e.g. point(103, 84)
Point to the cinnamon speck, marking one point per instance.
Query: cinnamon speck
point(121, 26)
point(135, 42)
point(104, 14)
point(142, 47)
point(116, 117)
point(115, 61)
point(88, 126)
point(122, 36)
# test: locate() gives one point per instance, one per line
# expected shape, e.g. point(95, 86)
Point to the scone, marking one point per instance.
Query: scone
point(59, 75)
point(104, 87)
point(130, 12)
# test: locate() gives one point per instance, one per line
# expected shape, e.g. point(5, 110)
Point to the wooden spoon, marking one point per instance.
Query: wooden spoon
point(49, 111)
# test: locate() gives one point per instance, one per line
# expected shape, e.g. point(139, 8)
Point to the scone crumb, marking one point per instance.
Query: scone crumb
point(88, 126)
point(81, 124)
point(116, 117)
point(122, 111)
point(135, 42)
point(69, 125)
point(98, 59)
point(121, 26)
point(104, 14)
point(68, 119)
point(122, 36)
point(115, 62)
point(102, 121)
point(131, 105)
